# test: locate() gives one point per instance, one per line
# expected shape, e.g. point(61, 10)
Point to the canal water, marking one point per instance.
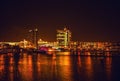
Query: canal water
point(39, 67)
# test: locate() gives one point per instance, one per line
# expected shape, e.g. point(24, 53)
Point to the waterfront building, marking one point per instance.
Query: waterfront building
point(10, 43)
point(26, 44)
point(63, 37)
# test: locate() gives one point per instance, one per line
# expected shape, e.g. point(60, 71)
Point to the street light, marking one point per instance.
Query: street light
point(34, 37)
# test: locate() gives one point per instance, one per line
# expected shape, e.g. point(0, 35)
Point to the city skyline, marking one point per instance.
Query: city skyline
point(87, 20)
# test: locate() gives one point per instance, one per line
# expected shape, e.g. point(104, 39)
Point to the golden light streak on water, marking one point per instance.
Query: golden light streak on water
point(79, 64)
point(89, 68)
point(108, 67)
point(65, 67)
point(26, 67)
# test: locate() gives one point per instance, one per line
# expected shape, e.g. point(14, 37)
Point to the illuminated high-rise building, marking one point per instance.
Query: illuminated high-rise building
point(63, 37)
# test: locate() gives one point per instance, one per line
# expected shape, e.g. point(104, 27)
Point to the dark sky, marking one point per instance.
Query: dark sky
point(92, 20)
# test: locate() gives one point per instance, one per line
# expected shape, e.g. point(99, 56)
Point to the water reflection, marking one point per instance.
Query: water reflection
point(38, 67)
point(89, 67)
point(108, 68)
point(65, 68)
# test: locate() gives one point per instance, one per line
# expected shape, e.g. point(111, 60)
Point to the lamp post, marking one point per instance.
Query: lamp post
point(34, 37)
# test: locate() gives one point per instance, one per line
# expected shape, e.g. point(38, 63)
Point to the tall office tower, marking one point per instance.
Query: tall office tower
point(63, 37)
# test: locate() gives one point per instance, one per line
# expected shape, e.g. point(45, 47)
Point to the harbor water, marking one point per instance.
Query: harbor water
point(40, 67)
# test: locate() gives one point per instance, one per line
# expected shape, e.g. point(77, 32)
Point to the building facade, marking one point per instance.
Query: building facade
point(63, 37)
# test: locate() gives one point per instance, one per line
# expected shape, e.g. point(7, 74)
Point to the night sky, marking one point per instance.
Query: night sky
point(88, 20)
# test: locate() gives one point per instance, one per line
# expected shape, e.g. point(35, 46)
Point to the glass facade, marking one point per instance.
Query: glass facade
point(63, 37)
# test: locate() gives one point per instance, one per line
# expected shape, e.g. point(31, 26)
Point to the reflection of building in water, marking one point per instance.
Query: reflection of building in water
point(63, 37)
point(108, 66)
point(65, 72)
